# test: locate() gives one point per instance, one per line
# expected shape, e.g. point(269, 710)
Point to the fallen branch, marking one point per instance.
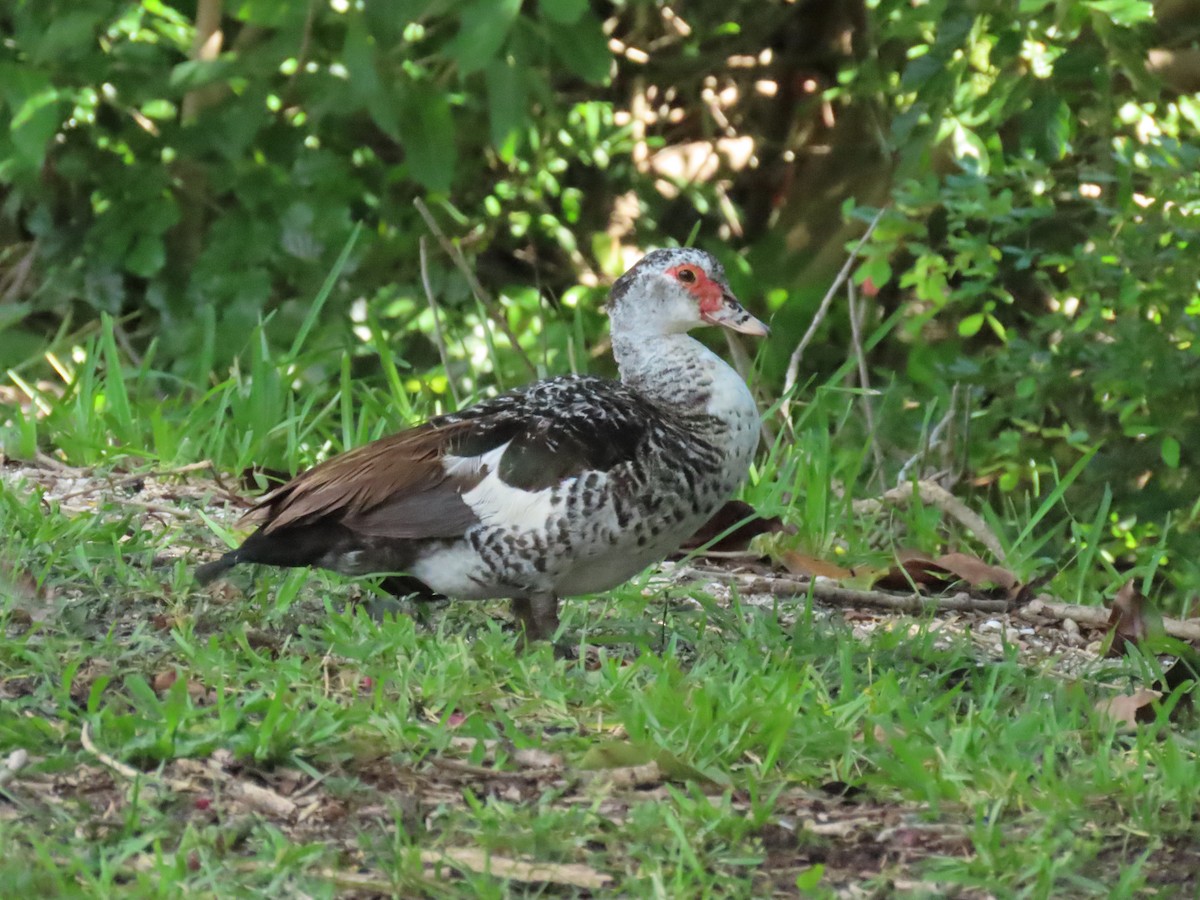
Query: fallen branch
point(838, 596)
point(258, 798)
point(464, 768)
point(46, 461)
point(127, 771)
point(936, 495)
point(110, 484)
point(489, 303)
point(475, 860)
point(1098, 617)
point(629, 777)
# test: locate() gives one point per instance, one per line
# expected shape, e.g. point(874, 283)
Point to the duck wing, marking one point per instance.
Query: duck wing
point(490, 462)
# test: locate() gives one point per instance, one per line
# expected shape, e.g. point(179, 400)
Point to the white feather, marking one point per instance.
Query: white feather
point(497, 503)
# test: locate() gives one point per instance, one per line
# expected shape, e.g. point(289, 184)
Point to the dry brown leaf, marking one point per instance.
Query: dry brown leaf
point(727, 517)
point(163, 680)
point(1130, 709)
point(531, 871)
point(975, 572)
point(1131, 620)
point(802, 564)
point(920, 571)
point(945, 572)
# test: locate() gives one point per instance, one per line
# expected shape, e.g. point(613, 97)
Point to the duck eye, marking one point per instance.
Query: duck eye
point(687, 276)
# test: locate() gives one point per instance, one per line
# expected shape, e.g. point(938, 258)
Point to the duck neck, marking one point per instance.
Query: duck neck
point(678, 371)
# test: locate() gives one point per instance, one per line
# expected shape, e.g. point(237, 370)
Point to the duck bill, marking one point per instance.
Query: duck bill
point(732, 315)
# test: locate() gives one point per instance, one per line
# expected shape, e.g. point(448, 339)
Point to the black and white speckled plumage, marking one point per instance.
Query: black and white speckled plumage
point(568, 486)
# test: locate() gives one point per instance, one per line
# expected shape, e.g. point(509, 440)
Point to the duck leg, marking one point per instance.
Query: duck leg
point(537, 615)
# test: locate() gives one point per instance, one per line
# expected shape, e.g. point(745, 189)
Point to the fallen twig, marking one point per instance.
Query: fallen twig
point(258, 798)
point(936, 495)
point(463, 768)
point(111, 483)
point(129, 772)
point(1045, 606)
point(793, 369)
point(473, 859)
point(645, 775)
point(829, 593)
point(489, 303)
point(46, 461)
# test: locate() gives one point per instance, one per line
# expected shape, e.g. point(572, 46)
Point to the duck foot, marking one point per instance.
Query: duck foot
point(537, 617)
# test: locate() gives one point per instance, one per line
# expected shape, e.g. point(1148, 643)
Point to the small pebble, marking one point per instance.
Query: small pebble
point(1070, 626)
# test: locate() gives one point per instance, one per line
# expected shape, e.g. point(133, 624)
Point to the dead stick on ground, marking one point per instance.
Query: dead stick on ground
point(829, 593)
point(463, 768)
point(489, 303)
point(936, 495)
point(135, 477)
point(437, 321)
point(793, 369)
point(129, 772)
point(1098, 616)
point(260, 799)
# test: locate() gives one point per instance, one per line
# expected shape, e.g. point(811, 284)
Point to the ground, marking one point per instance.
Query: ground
point(296, 735)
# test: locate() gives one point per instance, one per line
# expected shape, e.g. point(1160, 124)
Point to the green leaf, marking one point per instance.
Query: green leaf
point(70, 35)
point(582, 47)
point(195, 73)
point(1170, 452)
point(1123, 12)
point(485, 25)
point(147, 256)
point(508, 106)
point(565, 11)
point(920, 70)
point(35, 123)
point(969, 327)
point(428, 137)
point(877, 269)
point(810, 878)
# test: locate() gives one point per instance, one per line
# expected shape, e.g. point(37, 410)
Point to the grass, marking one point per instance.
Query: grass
point(790, 749)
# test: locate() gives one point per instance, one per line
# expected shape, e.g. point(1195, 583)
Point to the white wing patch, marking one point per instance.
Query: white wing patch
point(497, 503)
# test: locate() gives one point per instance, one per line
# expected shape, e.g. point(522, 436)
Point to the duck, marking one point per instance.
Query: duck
point(565, 487)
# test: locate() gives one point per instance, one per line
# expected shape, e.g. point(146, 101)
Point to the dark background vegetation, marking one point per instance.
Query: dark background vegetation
point(195, 169)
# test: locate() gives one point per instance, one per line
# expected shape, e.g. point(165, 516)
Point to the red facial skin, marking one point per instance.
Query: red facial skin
point(709, 294)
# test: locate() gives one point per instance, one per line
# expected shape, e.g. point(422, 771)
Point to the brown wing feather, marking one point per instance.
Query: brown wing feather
point(403, 470)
